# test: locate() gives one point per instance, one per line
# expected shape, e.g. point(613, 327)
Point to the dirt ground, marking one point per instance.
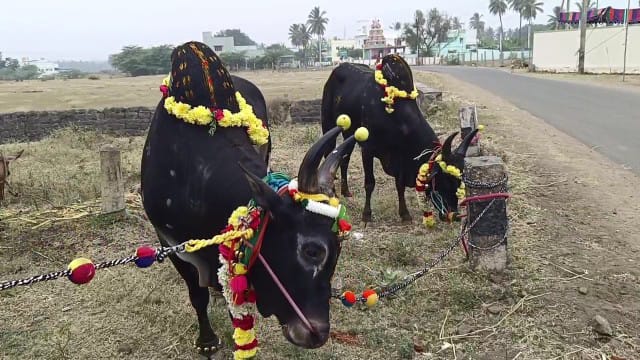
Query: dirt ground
point(36, 95)
point(632, 81)
point(586, 236)
point(574, 248)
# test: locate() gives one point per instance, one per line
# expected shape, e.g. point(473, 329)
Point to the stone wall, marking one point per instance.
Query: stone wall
point(133, 121)
point(35, 125)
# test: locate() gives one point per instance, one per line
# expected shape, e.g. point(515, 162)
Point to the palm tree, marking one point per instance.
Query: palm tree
point(477, 24)
point(499, 7)
point(397, 26)
point(294, 35)
point(455, 23)
point(517, 5)
point(305, 38)
point(590, 5)
point(530, 9)
point(554, 20)
point(317, 22)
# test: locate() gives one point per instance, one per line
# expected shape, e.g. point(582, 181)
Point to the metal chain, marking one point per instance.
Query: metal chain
point(484, 185)
point(411, 278)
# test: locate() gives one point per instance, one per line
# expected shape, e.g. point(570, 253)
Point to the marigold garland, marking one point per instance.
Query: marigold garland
point(391, 92)
point(201, 115)
point(428, 218)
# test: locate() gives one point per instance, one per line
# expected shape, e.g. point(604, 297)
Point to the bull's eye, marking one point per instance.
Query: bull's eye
point(314, 253)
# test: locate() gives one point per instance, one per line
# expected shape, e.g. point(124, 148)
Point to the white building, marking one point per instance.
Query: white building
point(45, 67)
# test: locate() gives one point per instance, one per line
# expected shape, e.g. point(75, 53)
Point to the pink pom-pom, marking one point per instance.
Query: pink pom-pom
point(238, 284)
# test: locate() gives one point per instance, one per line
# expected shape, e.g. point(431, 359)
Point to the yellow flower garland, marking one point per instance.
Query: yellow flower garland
point(392, 92)
point(201, 115)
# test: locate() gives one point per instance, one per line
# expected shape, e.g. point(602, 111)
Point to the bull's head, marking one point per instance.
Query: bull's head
point(5, 160)
point(301, 247)
point(443, 186)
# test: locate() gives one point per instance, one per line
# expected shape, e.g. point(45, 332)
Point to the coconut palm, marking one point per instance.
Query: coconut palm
point(530, 9)
point(517, 5)
point(476, 23)
point(591, 4)
point(499, 7)
point(455, 23)
point(317, 22)
point(554, 20)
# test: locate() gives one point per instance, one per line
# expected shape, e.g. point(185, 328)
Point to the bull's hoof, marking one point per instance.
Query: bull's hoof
point(206, 349)
point(345, 192)
point(406, 219)
point(366, 217)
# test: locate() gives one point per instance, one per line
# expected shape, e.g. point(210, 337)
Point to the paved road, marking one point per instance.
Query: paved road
point(601, 117)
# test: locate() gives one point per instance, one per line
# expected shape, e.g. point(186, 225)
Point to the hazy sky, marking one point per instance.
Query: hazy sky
point(93, 29)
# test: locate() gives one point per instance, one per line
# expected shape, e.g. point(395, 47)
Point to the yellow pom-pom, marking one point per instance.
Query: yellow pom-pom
point(429, 221)
point(344, 121)
point(480, 127)
point(362, 134)
point(239, 269)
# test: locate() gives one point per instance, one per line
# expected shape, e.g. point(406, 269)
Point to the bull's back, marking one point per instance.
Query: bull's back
point(191, 180)
point(344, 93)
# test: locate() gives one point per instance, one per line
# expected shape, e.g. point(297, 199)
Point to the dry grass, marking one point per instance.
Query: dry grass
point(131, 313)
point(36, 95)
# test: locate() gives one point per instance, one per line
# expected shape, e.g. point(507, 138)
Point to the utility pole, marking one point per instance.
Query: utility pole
point(626, 37)
point(583, 35)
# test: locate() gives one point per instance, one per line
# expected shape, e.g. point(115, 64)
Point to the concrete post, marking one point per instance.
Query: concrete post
point(468, 121)
point(111, 180)
point(487, 239)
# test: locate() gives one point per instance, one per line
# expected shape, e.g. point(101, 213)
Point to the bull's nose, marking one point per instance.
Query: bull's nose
point(300, 335)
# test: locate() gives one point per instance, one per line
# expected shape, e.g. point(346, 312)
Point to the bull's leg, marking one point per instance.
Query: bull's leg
point(369, 184)
point(344, 166)
point(207, 342)
point(402, 204)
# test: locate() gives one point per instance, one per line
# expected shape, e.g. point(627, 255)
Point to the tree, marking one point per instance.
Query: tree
point(396, 26)
point(317, 22)
point(499, 7)
point(530, 9)
point(554, 20)
point(137, 61)
point(239, 38)
point(477, 24)
point(436, 29)
point(590, 5)
point(455, 23)
point(414, 32)
point(517, 6)
point(233, 60)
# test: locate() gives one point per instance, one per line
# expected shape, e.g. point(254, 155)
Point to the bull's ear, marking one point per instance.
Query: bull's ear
point(264, 196)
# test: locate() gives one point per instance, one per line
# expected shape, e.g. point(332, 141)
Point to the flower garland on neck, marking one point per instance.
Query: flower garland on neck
point(391, 92)
point(428, 218)
point(201, 115)
point(244, 226)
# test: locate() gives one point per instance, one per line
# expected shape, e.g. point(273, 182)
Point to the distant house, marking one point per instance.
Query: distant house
point(460, 41)
point(226, 44)
point(45, 67)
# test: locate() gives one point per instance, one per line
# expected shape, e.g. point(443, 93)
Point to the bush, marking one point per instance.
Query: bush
point(93, 77)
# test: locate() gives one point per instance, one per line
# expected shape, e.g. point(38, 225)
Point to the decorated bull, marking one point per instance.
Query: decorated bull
point(5, 160)
point(264, 239)
point(399, 136)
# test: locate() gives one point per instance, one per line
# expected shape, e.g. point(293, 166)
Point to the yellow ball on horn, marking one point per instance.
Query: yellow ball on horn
point(362, 134)
point(344, 121)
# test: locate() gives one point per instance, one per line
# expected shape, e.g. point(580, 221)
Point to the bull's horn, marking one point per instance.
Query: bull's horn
point(464, 145)
point(446, 147)
point(327, 171)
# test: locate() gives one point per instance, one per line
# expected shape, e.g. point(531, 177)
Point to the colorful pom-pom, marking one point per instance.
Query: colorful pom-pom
point(371, 297)
point(362, 134)
point(480, 127)
point(428, 219)
point(344, 225)
point(82, 271)
point(239, 269)
point(348, 298)
point(344, 121)
point(238, 284)
point(146, 256)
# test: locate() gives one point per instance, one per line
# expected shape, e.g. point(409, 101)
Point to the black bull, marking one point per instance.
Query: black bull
point(191, 182)
point(396, 139)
